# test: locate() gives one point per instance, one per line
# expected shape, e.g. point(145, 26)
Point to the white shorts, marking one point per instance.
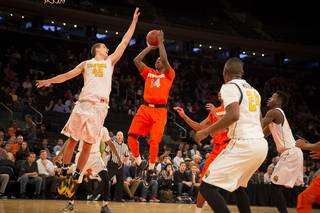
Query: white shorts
point(289, 169)
point(86, 114)
point(95, 163)
point(234, 166)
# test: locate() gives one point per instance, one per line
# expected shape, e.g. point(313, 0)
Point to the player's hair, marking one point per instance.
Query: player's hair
point(283, 98)
point(234, 66)
point(42, 151)
point(93, 48)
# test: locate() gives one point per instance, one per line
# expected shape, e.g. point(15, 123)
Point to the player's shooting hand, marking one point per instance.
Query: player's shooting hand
point(211, 108)
point(153, 47)
point(136, 14)
point(315, 155)
point(160, 36)
point(301, 144)
point(180, 111)
point(42, 83)
point(199, 136)
point(120, 164)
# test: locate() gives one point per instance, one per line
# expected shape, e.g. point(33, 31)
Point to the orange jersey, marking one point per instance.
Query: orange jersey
point(222, 137)
point(157, 85)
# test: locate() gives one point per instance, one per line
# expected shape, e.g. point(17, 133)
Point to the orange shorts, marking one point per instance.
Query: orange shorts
point(147, 120)
point(215, 152)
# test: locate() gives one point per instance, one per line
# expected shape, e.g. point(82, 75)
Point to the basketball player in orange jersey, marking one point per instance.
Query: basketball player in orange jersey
point(92, 107)
point(152, 115)
point(220, 140)
point(312, 193)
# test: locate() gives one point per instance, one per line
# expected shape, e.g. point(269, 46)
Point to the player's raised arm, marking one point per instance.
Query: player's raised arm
point(126, 39)
point(162, 51)
point(196, 126)
point(138, 60)
point(63, 77)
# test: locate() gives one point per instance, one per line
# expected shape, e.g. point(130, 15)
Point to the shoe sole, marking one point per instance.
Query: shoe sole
point(140, 171)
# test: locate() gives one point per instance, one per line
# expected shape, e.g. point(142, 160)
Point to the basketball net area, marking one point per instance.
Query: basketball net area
point(54, 1)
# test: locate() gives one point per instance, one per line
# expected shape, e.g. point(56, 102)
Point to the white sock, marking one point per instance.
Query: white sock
point(71, 201)
point(138, 160)
point(151, 165)
point(104, 203)
point(198, 210)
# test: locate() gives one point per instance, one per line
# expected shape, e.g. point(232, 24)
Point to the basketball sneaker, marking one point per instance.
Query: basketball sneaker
point(140, 169)
point(68, 208)
point(148, 178)
point(105, 209)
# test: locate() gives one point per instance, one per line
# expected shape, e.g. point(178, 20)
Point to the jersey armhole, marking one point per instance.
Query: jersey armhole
point(241, 95)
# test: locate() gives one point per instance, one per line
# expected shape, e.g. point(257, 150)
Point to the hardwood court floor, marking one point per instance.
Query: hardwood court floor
point(56, 206)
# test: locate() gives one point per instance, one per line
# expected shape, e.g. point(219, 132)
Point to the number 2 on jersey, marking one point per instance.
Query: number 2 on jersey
point(98, 73)
point(254, 101)
point(156, 83)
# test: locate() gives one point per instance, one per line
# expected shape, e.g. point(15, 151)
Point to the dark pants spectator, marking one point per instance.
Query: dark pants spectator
point(52, 180)
point(25, 179)
point(183, 187)
point(4, 178)
point(153, 187)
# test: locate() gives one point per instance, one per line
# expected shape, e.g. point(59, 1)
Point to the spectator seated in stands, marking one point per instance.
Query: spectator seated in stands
point(195, 180)
point(29, 174)
point(144, 191)
point(31, 129)
point(69, 101)
point(177, 160)
point(6, 98)
point(7, 147)
point(160, 166)
point(209, 148)
point(4, 178)
point(166, 179)
point(59, 145)
point(23, 152)
point(167, 151)
point(130, 184)
point(195, 161)
point(59, 107)
point(50, 106)
point(47, 173)
point(194, 150)
point(15, 147)
point(267, 175)
point(46, 147)
point(183, 182)
point(186, 151)
point(202, 164)
point(12, 130)
point(274, 162)
point(42, 132)
point(188, 166)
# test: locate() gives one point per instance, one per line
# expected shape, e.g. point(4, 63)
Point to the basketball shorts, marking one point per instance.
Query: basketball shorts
point(234, 166)
point(147, 120)
point(215, 152)
point(289, 169)
point(95, 163)
point(88, 115)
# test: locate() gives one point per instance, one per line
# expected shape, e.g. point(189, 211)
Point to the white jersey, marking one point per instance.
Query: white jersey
point(282, 134)
point(248, 125)
point(104, 135)
point(97, 81)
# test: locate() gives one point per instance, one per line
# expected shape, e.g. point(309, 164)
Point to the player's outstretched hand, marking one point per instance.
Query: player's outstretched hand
point(199, 136)
point(120, 164)
point(42, 83)
point(153, 47)
point(136, 14)
point(301, 144)
point(180, 111)
point(160, 36)
point(211, 108)
point(315, 155)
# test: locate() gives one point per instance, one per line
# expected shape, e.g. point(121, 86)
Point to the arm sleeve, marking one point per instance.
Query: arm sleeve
point(230, 94)
point(145, 72)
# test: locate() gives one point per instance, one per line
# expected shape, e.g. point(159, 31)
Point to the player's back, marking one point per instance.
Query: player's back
point(97, 81)
point(282, 134)
point(248, 124)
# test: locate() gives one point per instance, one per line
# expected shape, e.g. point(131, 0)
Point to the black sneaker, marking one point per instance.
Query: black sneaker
point(140, 169)
point(37, 196)
point(148, 179)
point(68, 208)
point(105, 209)
point(22, 196)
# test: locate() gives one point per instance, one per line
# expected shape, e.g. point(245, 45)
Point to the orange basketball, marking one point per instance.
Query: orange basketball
point(152, 37)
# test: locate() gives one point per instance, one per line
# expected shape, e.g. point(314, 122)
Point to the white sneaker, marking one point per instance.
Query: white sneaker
point(205, 203)
point(178, 198)
point(97, 197)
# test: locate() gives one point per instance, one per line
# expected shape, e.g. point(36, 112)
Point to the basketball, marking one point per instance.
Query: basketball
point(152, 37)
